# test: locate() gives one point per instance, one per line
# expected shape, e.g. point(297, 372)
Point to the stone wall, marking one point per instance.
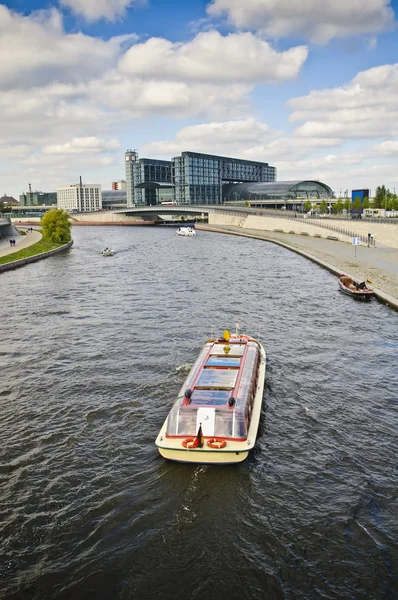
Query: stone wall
point(385, 234)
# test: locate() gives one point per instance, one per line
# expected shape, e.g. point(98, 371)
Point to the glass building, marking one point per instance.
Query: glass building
point(199, 178)
point(277, 190)
point(144, 170)
point(113, 199)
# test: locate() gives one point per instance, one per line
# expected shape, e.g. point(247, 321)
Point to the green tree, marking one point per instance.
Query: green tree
point(347, 204)
point(356, 205)
point(323, 206)
point(394, 202)
point(365, 202)
point(380, 197)
point(307, 205)
point(56, 226)
point(338, 206)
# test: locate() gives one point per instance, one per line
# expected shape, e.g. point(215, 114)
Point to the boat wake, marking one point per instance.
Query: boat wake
point(184, 368)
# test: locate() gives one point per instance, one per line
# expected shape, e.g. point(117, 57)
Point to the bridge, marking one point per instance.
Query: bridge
point(6, 229)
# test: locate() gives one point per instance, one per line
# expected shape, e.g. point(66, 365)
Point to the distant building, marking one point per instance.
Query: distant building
point(8, 200)
point(119, 185)
point(114, 199)
point(199, 178)
point(192, 178)
point(282, 191)
point(38, 198)
point(141, 171)
point(79, 197)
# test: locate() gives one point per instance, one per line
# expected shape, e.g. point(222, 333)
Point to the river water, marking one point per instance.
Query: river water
point(92, 353)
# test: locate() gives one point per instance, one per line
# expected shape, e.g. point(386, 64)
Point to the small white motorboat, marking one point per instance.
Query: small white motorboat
point(108, 252)
point(187, 231)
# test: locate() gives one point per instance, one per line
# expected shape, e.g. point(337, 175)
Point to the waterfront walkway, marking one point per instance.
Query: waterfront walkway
point(379, 265)
point(21, 241)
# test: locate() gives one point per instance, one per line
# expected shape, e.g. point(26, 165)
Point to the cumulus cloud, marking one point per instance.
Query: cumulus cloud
point(211, 57)
point(82, 145)
point(365, 108)
point(35, 51)
point(93, 10)
point(247, 138)
point(221, 137)
point(389, 148)
point(312, 19)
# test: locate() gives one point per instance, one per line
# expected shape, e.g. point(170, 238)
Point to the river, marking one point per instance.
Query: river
point(92, 353)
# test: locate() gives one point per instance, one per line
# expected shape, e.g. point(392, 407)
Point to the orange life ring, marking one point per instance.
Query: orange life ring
point(189, 443)
point(216, 443)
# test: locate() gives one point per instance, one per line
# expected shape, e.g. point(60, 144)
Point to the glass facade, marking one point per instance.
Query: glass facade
point(199, 178)
point(305, 189)
point(144, 170)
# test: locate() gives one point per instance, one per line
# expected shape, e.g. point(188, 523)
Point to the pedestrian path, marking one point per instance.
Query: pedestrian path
point(22, 241)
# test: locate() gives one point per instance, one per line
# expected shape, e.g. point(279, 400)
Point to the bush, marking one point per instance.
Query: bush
point(56, 227)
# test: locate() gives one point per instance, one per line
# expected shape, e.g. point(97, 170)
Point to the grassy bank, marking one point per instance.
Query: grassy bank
point(37, 248)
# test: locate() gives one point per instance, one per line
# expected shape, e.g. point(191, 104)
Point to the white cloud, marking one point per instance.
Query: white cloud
point(220, 138)
point(317, 20)
point(36, 51)
point(135, 97)
point(82, 145)
point(365, 108)
point(247, 138)
point(93, 10)
point(389, 148)
point(211, 57)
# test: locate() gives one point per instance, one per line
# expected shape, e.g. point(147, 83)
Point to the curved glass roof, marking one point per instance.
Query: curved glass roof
point(276, 190)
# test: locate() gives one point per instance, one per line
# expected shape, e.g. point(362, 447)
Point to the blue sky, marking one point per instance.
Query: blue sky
point(309, 87)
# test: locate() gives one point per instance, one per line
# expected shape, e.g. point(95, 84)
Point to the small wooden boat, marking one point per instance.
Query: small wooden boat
point(187, 231)
point(216, 415)
point(352, 288)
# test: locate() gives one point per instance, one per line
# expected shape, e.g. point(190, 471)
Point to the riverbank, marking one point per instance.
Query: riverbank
point(379, 265)
point(31, 249)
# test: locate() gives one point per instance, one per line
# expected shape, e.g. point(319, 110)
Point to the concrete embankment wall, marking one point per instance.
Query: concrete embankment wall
point(385, 234)
point(108, 218)
point(24, 261)
point(269, 223)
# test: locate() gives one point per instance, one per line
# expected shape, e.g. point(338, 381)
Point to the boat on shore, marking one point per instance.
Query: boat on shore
point(360, 291)
point(216, 415)
point(187, 231)
point(108, 252)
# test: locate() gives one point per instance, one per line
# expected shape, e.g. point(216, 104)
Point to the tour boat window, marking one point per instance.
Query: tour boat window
point(217, 378)
point(210, 397)
point(235, 349)
point(223, 361)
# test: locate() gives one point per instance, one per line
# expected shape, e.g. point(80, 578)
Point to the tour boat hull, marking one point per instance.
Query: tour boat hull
point(213, 382)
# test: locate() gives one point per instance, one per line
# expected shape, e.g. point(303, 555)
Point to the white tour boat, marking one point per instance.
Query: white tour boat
point(108, 252)
point(188, 231)
point(216, 415)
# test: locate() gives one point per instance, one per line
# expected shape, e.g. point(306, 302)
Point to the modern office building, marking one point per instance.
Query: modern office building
point(38, 198)
point(119, 185)
point(79, 197)
point(191, 178)
point(145, 179)
point(199, 178)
